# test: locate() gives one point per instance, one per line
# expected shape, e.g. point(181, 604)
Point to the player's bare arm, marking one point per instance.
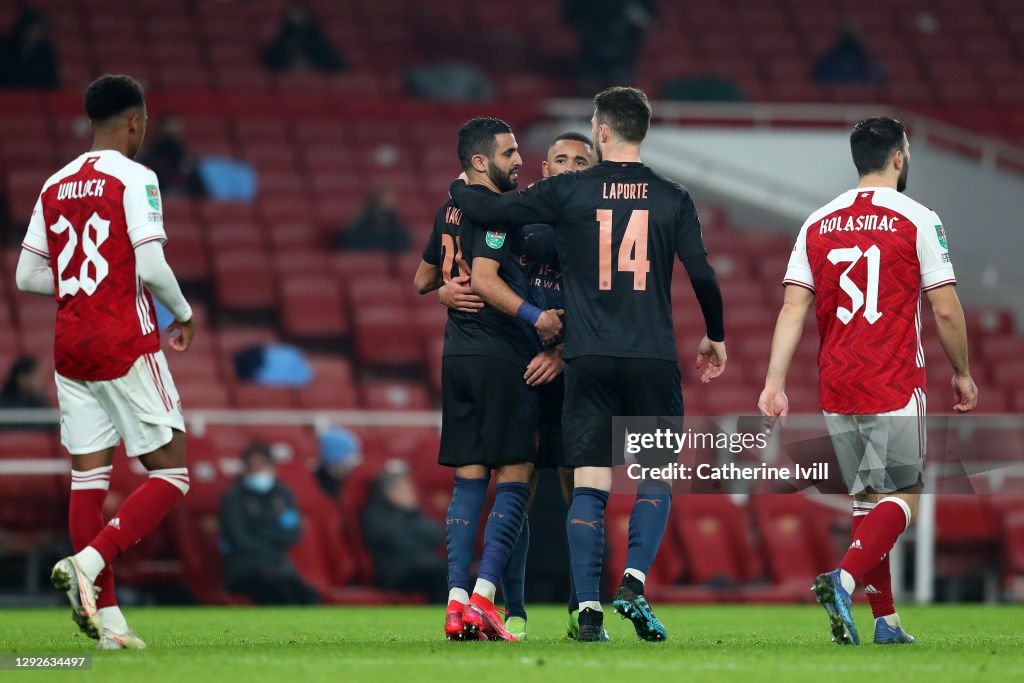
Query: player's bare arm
point(489, 286)
point(952, 331)
point(34, 274)
point(427, 278)
point(458, 295)
point(788, 328)
point(545, 367)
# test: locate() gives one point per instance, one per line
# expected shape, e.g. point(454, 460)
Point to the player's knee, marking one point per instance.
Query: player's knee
point(175, 476)
point(517, 473)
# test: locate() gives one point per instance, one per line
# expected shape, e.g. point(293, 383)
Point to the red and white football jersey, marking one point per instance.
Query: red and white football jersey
point(88, 220)
point(867, 255)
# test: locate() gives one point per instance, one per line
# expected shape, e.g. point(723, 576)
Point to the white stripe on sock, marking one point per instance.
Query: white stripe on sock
point(636, 574)
point(485, 588)
point(902, 503)
point(97, 478)
point(458, 595)
point(175, 476)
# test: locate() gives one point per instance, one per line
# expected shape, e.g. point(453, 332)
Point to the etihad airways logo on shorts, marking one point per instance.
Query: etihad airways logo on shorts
point(857, 224)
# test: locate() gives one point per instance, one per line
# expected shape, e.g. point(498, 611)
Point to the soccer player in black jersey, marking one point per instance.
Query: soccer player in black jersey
point(618, 226)
point(567, 152)
point(488, 411)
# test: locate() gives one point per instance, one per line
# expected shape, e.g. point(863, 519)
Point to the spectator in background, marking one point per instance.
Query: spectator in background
point(300, 39)
point(24, 386)
point(259, 522)
point(173, 165)
point(376, 226)
point(849, 62)
point(403, 542)
point(340, 452)
point(27, 57)
point(610, 33)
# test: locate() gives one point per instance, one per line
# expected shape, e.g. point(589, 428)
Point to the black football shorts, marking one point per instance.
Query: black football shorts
point(488, 413)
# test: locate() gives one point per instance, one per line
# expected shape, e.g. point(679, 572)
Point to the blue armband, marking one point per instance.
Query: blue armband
point(529, 313)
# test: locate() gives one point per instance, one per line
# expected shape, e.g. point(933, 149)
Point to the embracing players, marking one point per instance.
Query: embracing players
point(567, 152)
point(618, 226)
point(489, 413)
point(863, 260)
point(95, 241)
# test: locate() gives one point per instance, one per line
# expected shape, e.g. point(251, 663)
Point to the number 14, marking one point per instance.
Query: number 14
point(632, 251)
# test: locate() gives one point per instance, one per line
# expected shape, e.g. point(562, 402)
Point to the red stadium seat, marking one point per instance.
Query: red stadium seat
point(390, 395)
point(33, 498)
point(244, 281)
point(352, 266)
point(794, 537)
point(332, 388)
point(248, 396)
point(196, 393)
point(312, 308)
point(382, 337)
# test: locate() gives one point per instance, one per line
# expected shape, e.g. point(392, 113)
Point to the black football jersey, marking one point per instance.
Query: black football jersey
point(453, 243)
point(618, 229)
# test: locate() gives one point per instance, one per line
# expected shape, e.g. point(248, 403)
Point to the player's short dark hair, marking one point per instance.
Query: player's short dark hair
point(111, 95)
point(256, 449)
point(873, 142)
point(575, 137)
point(477, 137)
point(627, 111)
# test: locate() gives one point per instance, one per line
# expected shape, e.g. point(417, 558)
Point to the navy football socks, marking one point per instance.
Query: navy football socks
point(502, 530)
point(584, 526)
point(460, 528)
point(513, 579)
point(647, 523)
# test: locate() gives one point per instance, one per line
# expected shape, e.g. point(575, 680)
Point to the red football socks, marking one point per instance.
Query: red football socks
point(875, 536)
point(85, 520)
point(139, 514)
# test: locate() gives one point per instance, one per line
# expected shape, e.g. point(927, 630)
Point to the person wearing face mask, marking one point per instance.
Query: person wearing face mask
point(259, 522)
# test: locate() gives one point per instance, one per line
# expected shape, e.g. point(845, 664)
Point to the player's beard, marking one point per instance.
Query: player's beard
point(901, 182)
point(502, 179)
point(597, 150)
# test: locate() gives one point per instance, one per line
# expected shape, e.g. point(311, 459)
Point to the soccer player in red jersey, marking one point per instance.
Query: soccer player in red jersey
point(95, 242)
point(863, 260)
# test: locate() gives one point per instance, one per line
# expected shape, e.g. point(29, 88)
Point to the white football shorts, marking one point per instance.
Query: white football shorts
point(881, 453)
point(141, 407)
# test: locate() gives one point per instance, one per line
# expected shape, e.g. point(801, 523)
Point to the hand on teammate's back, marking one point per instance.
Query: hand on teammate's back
point(549, 325)
point(182, 341)
point(965, 393)
point(544, 367)
point(458, 295)
point(711, 357)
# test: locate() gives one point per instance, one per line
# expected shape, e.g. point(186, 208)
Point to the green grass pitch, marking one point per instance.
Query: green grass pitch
point(384, 644)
